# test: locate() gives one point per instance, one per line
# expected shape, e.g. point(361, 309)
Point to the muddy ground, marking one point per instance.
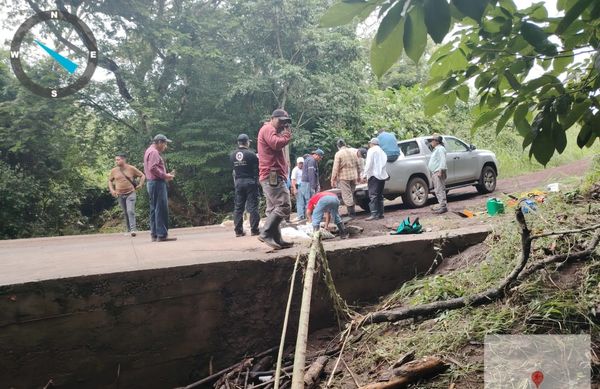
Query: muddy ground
point(468, 198)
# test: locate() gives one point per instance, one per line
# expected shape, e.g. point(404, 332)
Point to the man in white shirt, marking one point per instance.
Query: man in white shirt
point(376, 175)
point(296, 182)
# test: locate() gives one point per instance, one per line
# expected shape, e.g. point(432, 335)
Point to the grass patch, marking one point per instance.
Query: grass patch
point(514, 161)
point(593, 176)
point(547, 302)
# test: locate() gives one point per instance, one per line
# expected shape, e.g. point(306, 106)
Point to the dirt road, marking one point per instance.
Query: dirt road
point(468, 198)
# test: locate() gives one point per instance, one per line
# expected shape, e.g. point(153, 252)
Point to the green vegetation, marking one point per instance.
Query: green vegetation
point(203, 72)
point(500, 48)
point(559, 302)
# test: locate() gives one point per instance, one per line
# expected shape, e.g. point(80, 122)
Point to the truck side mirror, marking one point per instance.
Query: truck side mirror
point(472, 147)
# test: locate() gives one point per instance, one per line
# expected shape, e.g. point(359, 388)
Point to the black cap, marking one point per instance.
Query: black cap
point(243, 138)
point(161, 138)
point(363, 152)
point(281, 115)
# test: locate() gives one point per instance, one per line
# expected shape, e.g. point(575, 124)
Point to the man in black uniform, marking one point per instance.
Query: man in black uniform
point(245, 177)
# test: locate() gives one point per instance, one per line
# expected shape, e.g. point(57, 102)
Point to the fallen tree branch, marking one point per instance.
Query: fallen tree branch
point(313, 374)
point(567, 232)
point(591, 247)
point(224, 380)
point(408, 357)
point(351, 373)
point(412, 371)
point(218, 374)
point(344, 341)
point(492, 294)
point(460, 302)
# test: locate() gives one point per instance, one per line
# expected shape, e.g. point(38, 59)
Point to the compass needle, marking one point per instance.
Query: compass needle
point(66, 63)
point(61, 84)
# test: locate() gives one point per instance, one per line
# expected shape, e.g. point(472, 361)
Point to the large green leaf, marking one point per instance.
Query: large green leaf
point(536, 37)
point(434, 101)
point(559, 64)
point(559, 136)
point(512, 80)
point(544, 80)
point(494, 25)
point(573, 13)
point(385, 54)
point(520, 119)
point(471, 8)
point(542, 146)
point(415, 33)
point(437, 19)
point(504, 118)
point(462, 92)
point(574, 114)
point(389, 22)
point(486, 117)
point(452, 62)
point(585, 134)
point(343, 12)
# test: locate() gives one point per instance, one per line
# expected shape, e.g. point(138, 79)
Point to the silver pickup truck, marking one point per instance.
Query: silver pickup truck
point(410, 178)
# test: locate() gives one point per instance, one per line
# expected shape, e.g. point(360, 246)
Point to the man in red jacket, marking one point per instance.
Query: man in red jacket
point(272, 171)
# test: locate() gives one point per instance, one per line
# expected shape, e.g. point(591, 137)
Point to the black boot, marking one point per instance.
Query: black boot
point(279, 240)
point(342, 229)
point(267, 235)
point(351, 212)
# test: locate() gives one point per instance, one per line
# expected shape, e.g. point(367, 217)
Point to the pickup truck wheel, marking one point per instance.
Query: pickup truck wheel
point(417, 192)
point(364, 204)
point(487, 180)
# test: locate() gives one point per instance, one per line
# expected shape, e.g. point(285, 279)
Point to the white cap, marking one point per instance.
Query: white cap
point(299, 159)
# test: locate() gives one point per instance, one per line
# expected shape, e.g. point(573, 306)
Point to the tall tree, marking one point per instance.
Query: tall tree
point(499, 48)
point(204, 71)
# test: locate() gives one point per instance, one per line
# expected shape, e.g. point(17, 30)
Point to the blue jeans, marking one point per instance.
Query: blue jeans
point(304, 194)
point(159, 208)
point(301, 202)
point(326, 204)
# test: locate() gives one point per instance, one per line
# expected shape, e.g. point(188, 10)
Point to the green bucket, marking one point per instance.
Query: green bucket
point(495, 206)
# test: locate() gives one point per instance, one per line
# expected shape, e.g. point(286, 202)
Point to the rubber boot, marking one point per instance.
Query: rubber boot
point(267, 235)
point(279, 240)
point(342, 229)
point(351, 212)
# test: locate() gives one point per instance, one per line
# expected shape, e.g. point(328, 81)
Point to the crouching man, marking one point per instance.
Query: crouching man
point(325, 205)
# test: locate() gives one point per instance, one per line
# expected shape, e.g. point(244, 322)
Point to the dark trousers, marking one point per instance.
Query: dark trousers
point(375, 188)
point(159, 208)
point(246, 197)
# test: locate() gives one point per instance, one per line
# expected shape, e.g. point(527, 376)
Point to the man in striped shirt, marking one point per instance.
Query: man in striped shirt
point(345, 174)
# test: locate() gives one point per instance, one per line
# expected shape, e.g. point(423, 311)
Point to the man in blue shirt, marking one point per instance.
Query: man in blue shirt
point(438, 168)
point(389, 144)
point(310, 176)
